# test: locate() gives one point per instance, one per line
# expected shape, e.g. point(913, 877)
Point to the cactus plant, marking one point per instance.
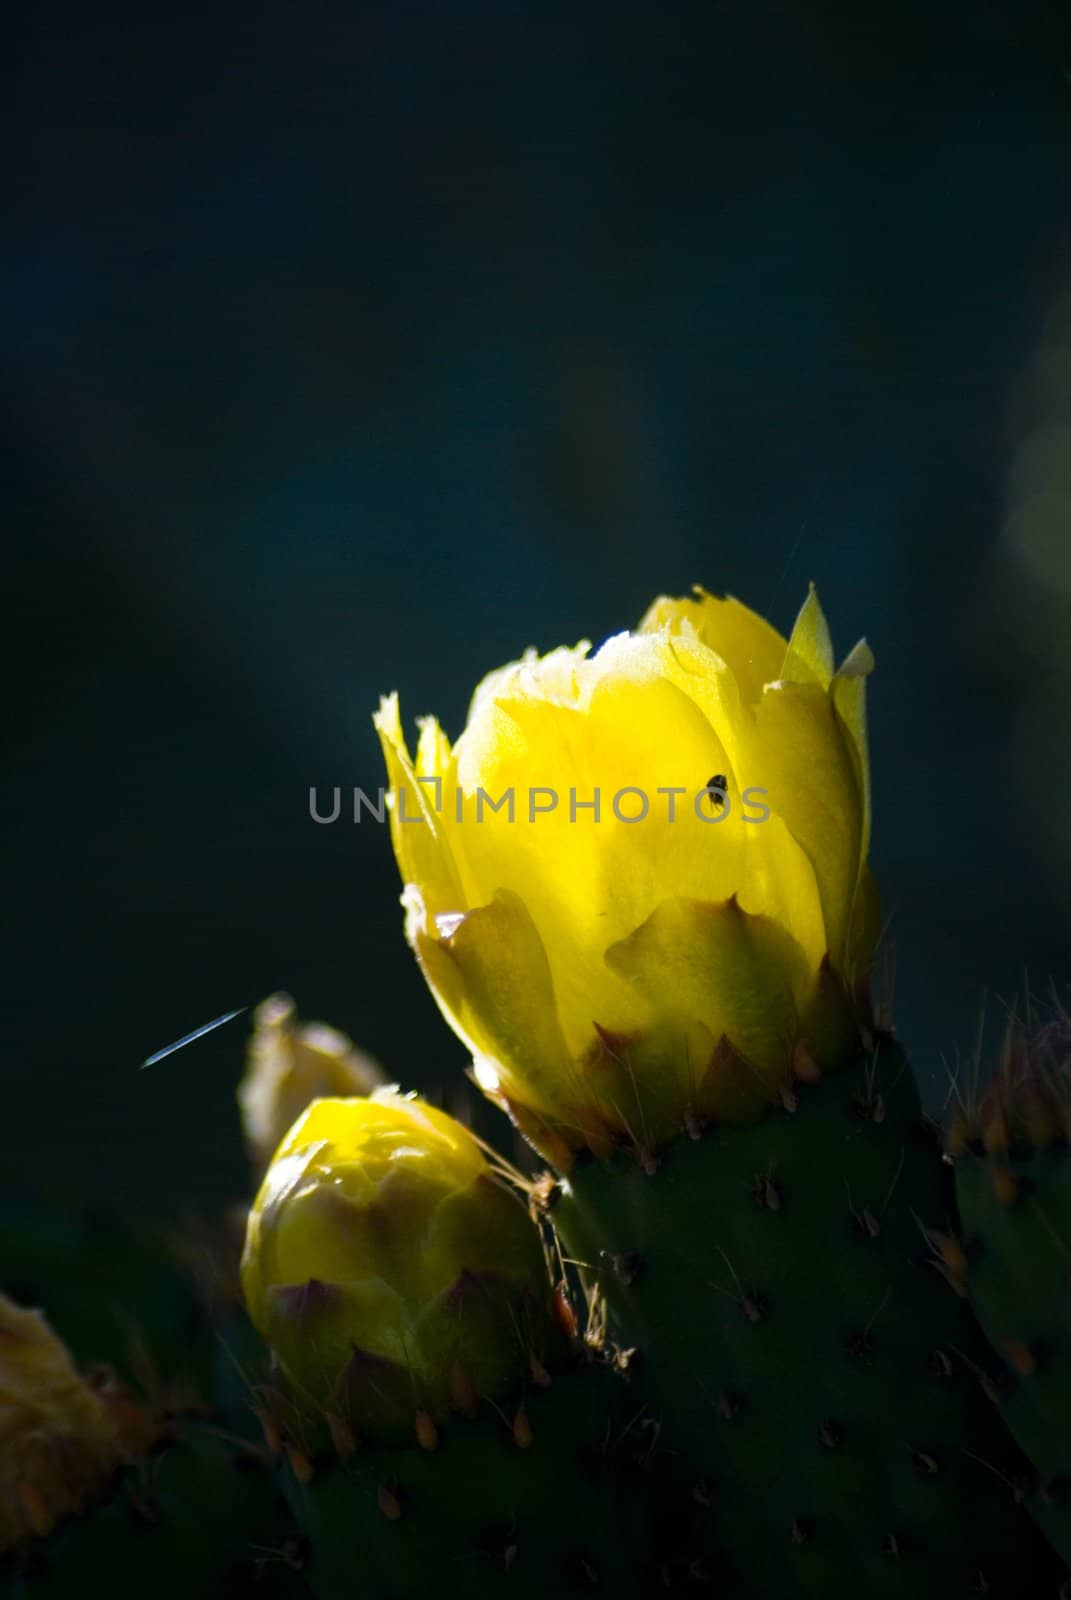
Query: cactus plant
point(539, 1495)
point(434, 1407)
point(595, 941)
point(673, 1006)
point(1013, 1182)
point(384, 1255)
point(780, 1282)
point(784, 1382)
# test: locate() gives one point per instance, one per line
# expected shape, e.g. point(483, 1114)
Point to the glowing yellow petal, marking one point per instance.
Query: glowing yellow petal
point(493, 983)
point(814, 788)
point(849, 697)
point(370, 1130)
point(555, 676)
point(649, 751)
point(779, 882)
point(433, 749)
point(416, 825)
point(749, 646)
point(702, 760)
point(742, 976)
point(680, 657)
point(809, 657)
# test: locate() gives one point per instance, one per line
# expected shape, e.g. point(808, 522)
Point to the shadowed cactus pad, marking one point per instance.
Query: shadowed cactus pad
point(198, 1520)
point(1013, 1183)
point(112, 1292)
point(540, 1496)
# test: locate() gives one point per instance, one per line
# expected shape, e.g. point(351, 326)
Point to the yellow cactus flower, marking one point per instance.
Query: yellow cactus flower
point(386, 1263)
point(288, 1064)
point(637, 884)
point(59, 1442)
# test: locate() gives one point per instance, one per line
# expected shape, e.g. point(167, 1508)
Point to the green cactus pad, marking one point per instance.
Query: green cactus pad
point(1016, 1211)
point(780, 1288)
point(111, 1294)
point(200, 1520)
point(529, 1505)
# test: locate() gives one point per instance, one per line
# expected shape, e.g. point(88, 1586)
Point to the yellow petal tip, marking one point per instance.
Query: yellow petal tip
point(858, 663)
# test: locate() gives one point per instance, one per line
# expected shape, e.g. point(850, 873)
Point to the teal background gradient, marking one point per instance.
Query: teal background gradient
point(357, 348)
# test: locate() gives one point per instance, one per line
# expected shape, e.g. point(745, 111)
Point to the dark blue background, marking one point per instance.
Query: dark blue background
point(357, 348)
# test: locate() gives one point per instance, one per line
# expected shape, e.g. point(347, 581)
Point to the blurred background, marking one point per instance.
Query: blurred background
point(355, 348)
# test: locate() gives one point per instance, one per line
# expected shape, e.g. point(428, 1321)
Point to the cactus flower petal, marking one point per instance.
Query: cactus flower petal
point(567, 895)
point(744, 977)
point(287, 1065)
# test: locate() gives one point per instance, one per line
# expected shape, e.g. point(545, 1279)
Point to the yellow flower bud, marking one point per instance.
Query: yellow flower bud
point(383, 1254)
point(59, 1442)
point(637, 883)
point(288, 1064)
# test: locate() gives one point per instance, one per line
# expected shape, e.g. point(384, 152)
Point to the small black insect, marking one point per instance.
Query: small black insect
point(715, 791)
